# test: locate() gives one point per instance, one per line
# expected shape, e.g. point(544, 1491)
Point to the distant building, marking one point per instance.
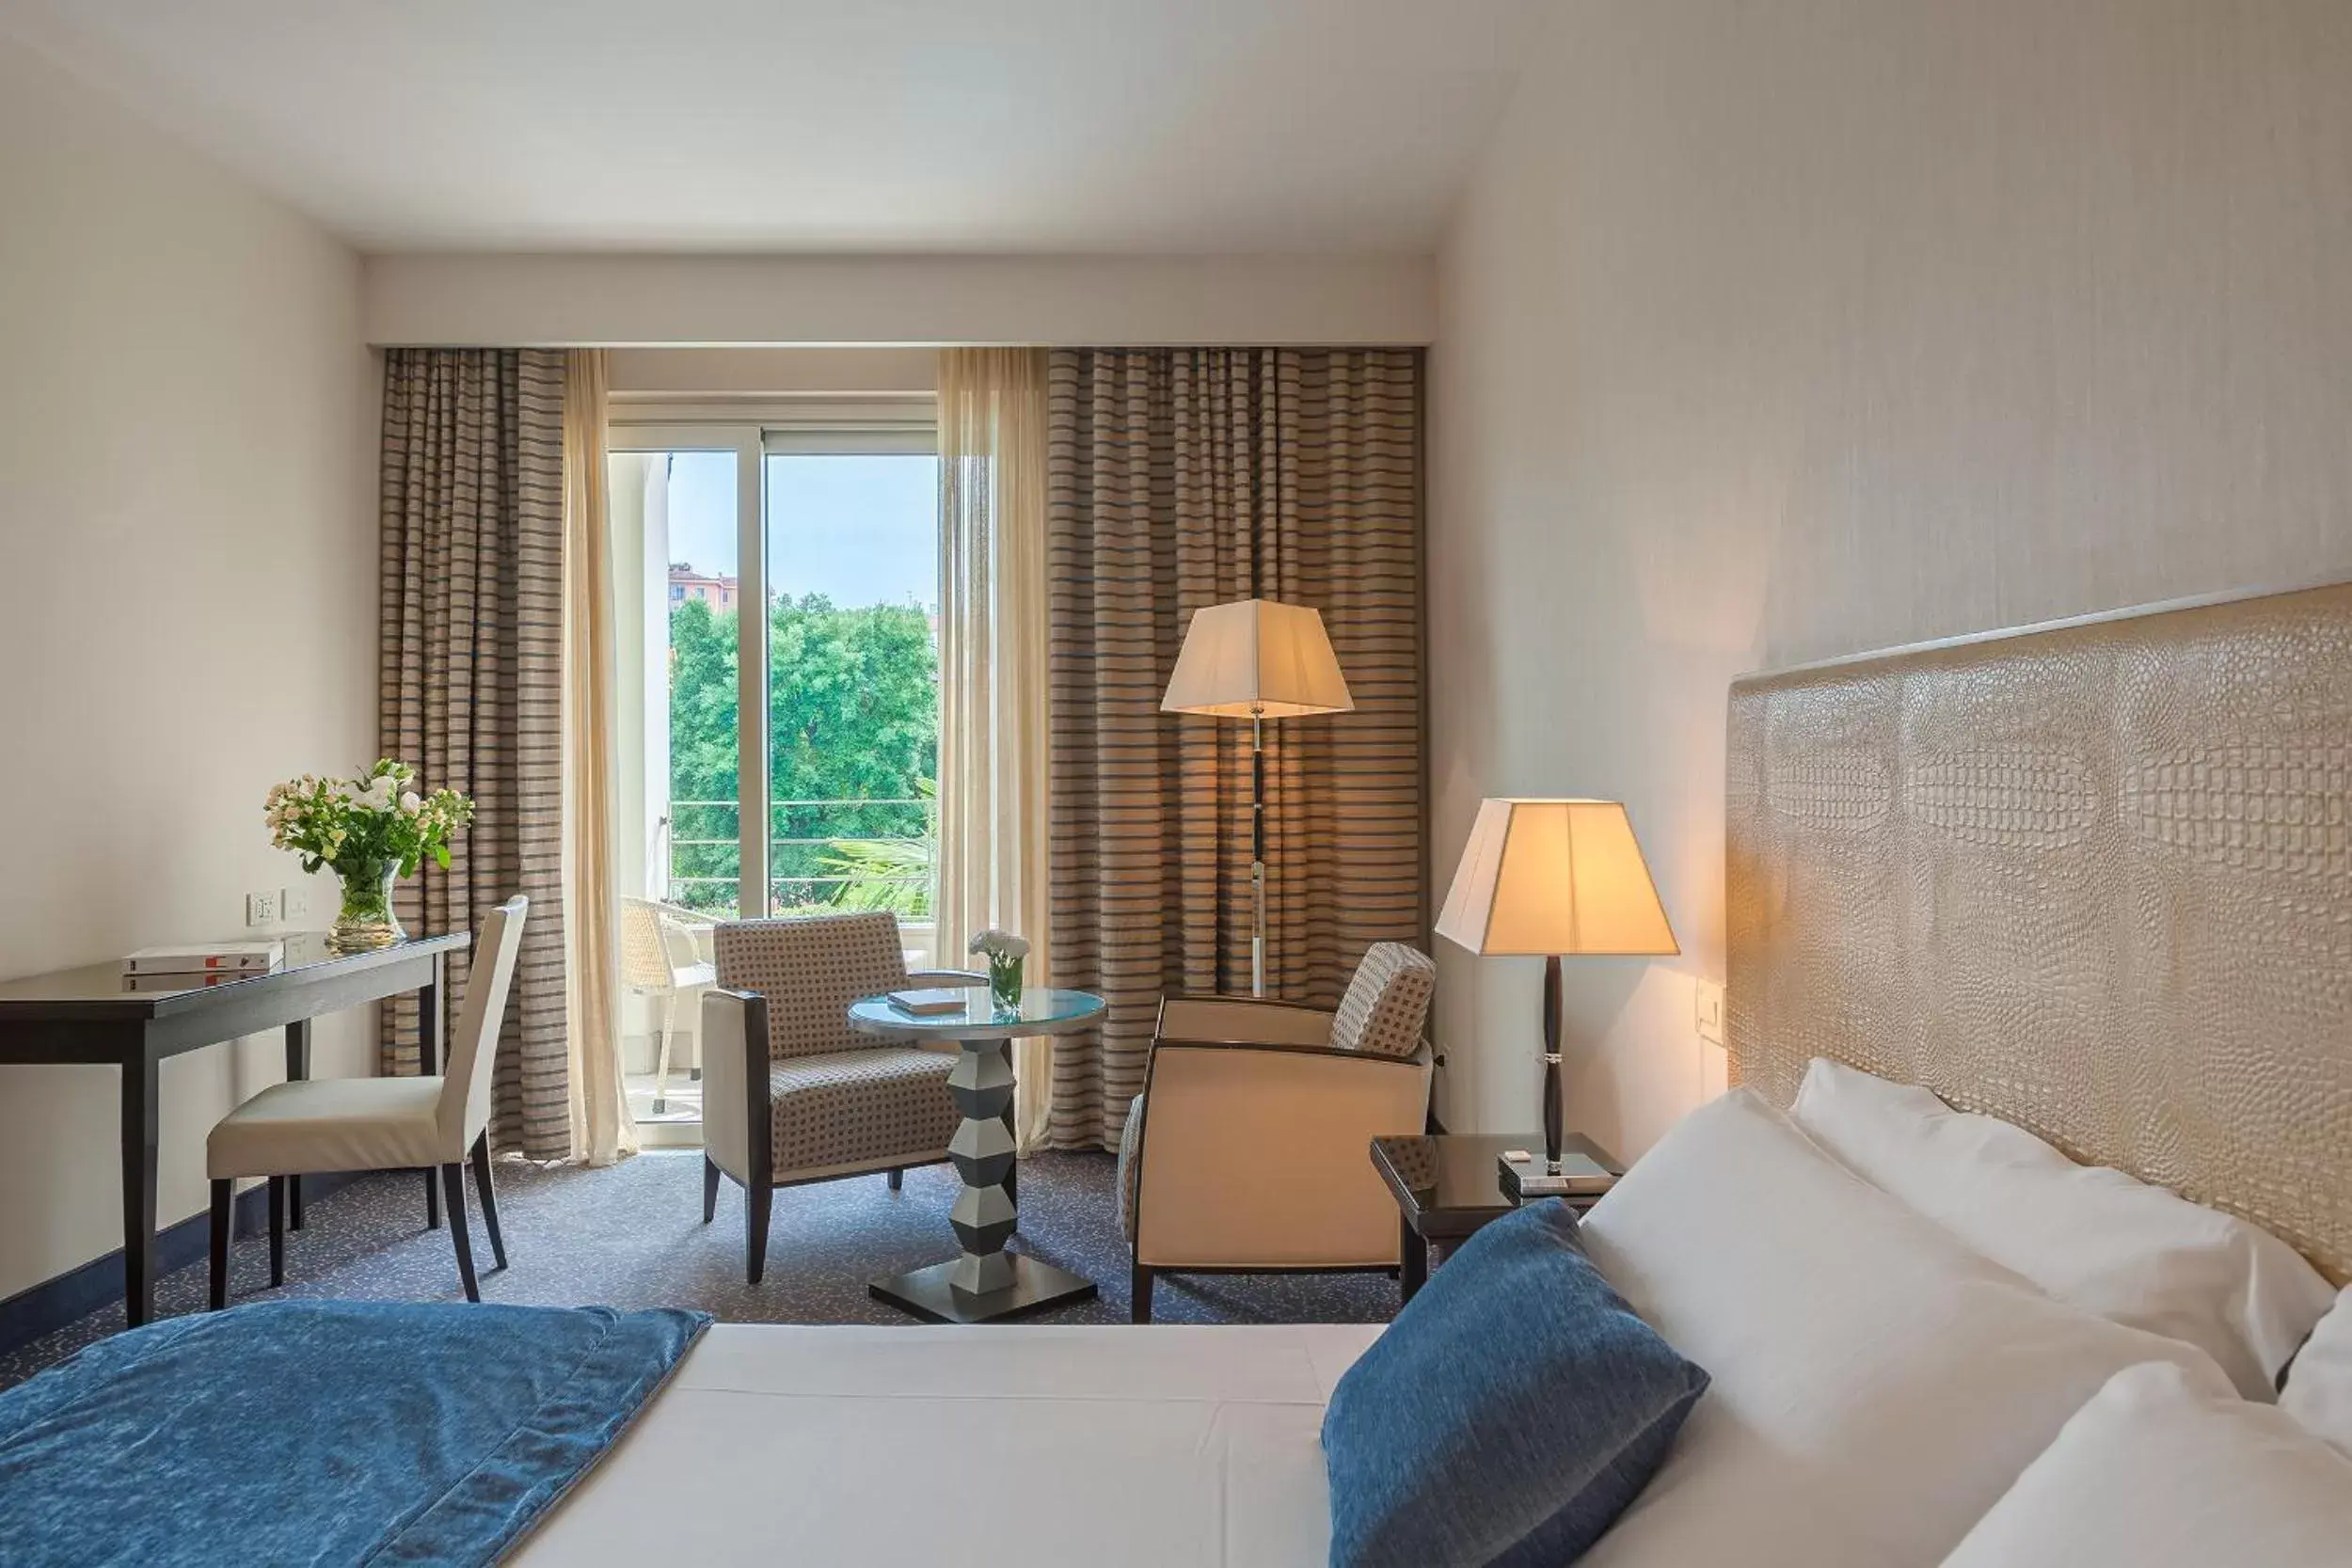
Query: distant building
point(687, 583)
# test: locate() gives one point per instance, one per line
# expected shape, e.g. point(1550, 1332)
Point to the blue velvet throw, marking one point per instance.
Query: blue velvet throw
point(323, 1432)
point(1515, 1408)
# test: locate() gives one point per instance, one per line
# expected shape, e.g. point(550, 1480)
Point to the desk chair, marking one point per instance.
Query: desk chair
point(379, 1123)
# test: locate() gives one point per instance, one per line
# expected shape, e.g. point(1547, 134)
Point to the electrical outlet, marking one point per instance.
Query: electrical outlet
point(1706, 1010)
point(261, 909)
point(294, 903)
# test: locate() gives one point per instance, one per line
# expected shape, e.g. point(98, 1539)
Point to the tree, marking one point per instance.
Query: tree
point(853, 715)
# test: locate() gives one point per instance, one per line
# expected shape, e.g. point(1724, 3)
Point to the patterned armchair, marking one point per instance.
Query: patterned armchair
point(789, 1094)
point(1248, 1148)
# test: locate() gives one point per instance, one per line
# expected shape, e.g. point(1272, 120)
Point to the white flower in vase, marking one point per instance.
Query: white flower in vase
point(1000, 944)
point(1004, 953)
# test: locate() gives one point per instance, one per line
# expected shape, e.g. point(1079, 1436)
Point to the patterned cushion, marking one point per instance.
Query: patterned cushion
point(810, 968)
point(854, 1107)
point(1130, 1141)
point(1387, 1002)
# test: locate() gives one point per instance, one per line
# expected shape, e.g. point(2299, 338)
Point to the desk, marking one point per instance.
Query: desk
point(85, 1017)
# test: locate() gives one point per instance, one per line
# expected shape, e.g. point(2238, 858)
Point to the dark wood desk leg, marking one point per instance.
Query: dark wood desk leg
point(429, 1063)
point(1415, 1254)
point(138, 1184)
point(297, 1068)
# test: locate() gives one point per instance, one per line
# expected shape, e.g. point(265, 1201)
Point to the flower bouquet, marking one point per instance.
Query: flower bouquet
point(371, 830)
point(1006, 955)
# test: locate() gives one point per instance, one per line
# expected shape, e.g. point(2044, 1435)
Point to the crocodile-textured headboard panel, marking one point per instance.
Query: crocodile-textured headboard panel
point(2094, 878)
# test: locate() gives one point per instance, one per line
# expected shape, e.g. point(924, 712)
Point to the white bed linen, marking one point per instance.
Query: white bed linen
point(965, 1448)
point(2319, 1380)
point(1877, 1385)
point(2168, 1469)
point(2092, 1238)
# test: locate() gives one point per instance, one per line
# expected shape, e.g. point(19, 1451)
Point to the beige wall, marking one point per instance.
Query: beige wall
point(702, 373)
point(186, 601)
point(1771, 331)
point(718, 300)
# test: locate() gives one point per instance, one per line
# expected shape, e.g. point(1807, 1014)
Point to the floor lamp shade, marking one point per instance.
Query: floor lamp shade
point(1553, 878)
point(1256, 659)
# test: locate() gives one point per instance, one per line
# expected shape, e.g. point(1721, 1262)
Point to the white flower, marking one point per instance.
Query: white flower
point(409, 803)
point(1000, 944)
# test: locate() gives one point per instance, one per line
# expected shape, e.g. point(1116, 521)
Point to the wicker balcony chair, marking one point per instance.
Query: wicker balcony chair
point(658, 960)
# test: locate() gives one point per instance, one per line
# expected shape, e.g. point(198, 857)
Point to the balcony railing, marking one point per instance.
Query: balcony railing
point(876, 853)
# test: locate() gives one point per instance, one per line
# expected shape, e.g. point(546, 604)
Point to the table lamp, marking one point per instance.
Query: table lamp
point(1256, 659)
point(1553, 878)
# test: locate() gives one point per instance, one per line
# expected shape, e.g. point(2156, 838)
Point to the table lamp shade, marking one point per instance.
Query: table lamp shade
point(1256, 658)
point(1554, 876)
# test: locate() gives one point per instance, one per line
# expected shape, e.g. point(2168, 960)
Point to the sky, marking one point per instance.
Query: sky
point(862, 531)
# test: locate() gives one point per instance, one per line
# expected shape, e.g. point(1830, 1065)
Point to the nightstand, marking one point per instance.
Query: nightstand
point(1448, 1184)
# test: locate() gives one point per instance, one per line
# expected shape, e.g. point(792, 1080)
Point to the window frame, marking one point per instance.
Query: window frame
point(754, 429)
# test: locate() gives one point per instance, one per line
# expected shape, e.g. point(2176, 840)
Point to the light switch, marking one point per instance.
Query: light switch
point(1706, 1010)
point(294, 903)
point(261, 909)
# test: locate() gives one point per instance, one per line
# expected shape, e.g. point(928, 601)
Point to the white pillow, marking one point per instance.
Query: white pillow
point(2165, 1469)
point(1877, 1385)
point(2091, 1237)
point(2319, 1379)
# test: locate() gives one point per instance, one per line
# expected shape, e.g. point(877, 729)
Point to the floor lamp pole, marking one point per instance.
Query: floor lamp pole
point(1257, 852)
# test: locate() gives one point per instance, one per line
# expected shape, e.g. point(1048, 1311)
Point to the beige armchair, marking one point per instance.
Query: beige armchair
point(322, 1124)
point(1249, 1149)
point(789, 1094)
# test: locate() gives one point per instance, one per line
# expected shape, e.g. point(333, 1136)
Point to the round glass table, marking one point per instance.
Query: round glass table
point(985, 1281)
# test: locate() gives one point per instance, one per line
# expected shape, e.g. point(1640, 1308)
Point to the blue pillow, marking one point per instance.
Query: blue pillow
point(1508, 1416)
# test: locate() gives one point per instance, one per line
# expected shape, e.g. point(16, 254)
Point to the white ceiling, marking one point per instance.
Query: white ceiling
point(1164, 126)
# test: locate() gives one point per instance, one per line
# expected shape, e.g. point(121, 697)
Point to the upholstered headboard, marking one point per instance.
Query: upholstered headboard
point(2093, 878)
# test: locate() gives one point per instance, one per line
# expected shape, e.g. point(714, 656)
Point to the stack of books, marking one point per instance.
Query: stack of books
point(208, 964)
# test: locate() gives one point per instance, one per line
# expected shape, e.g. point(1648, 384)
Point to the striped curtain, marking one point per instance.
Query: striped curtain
point(1183, 477)
point(470, 674)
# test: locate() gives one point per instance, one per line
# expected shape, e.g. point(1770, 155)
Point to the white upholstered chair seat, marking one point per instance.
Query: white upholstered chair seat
point(324, 1124)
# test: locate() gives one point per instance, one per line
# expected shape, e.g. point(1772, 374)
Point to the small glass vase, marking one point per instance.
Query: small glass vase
point(366, 921)
point(1004, 982)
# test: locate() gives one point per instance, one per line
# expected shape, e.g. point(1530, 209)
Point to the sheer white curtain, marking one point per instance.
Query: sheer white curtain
point(993, 822)
point(602, 1130)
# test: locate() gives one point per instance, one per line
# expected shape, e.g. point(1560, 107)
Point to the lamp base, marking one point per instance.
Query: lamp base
point(1524, 1180)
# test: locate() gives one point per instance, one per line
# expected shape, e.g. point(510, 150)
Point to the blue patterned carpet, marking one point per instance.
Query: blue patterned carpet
point(633, 1236)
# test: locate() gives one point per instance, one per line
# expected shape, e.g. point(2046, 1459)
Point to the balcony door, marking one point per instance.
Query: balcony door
point(778, 733)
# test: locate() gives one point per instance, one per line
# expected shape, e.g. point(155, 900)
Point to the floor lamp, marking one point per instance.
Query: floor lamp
point(1544, 878)
point(1257, 659)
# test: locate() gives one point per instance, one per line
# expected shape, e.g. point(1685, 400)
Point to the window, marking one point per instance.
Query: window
point(811, 783)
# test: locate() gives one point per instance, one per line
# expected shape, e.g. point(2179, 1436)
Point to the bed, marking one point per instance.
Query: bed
point(1037, 1444)
point(2093, 878)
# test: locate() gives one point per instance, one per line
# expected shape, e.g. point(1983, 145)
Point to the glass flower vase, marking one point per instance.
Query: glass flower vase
point(1003, 981)
point(366, 921)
